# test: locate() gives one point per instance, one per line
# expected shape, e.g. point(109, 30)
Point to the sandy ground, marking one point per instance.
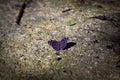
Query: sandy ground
point(26, 55)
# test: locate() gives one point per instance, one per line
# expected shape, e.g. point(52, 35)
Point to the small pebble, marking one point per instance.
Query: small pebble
point(57, 53)
point(97, 57)
point(59, 58)
point(95, 41)
point(64, 71)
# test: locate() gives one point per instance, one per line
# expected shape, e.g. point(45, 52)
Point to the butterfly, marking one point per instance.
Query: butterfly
point(58, 45)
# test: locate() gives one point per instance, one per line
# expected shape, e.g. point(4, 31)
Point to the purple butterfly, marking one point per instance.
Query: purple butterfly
point(58, 45)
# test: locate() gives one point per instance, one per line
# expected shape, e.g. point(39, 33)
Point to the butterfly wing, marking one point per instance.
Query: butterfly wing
point(63, 43)
point(55, 44)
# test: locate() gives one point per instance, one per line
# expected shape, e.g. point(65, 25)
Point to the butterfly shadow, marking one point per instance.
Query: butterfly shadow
point(69, 45)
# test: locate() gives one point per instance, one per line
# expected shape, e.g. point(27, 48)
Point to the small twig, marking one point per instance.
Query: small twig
point(21, 12)
point(66, 10)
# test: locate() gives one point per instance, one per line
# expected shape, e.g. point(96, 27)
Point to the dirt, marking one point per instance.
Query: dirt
point(93, 49)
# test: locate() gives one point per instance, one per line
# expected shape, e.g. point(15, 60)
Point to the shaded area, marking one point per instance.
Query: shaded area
point(25, 54)
point(114, 37)
point(70, 44)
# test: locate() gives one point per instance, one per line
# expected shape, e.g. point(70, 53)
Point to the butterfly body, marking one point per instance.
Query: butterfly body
point(58, 45)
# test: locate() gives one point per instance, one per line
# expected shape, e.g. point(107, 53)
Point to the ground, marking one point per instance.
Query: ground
point(26, 55)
